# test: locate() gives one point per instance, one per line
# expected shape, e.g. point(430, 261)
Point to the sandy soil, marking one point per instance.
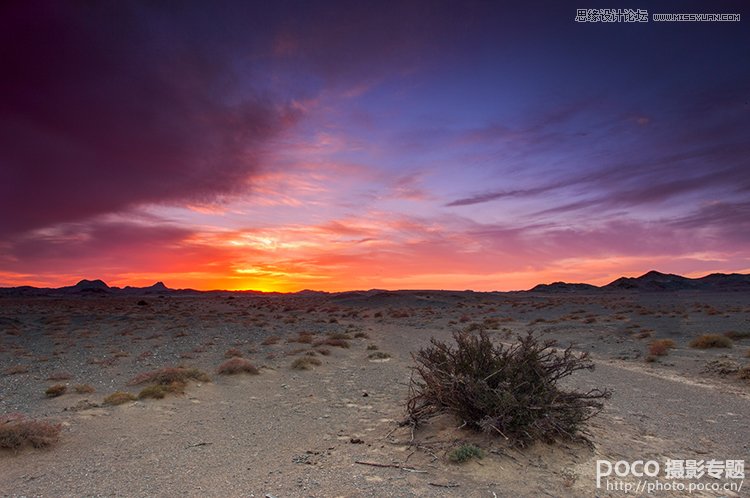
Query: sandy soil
point(332, 430)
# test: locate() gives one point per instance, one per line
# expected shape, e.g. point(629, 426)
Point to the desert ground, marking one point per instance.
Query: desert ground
point(333, 429)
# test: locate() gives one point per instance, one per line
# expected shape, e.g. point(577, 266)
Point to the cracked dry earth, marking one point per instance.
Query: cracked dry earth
point(332, 430)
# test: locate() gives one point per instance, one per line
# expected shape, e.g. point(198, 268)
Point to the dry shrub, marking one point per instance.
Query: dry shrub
point(84, 389)
point(237, 365)
point(303, 338)
point(330, 341)
point(56, 390)
point(707, 341)
point(378, 355)
point(118, 398)
point(233, 353)
point(339, 335)
point(660, 347)
point(305, 363)
point(510, 391)
point(17, 429)
point(158, 391)
point(269, 341)
point(744, 373)
point(361, 335)
point(176, 378)
point(735, 335)
point(16, 369)
point(324, 351)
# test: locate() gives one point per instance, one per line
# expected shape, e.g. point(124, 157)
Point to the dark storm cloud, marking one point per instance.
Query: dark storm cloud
point(106, 106)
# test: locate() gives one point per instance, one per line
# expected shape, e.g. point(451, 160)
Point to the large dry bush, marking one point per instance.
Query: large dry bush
point(17, 429)
point(506, 390)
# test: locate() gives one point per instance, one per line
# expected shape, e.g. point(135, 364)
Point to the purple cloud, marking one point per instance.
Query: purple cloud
point(103, 109)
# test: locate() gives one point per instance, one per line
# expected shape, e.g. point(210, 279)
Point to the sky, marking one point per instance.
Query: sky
point(289, 145)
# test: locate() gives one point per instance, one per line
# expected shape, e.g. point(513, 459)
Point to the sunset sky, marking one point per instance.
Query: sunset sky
point(325, 145)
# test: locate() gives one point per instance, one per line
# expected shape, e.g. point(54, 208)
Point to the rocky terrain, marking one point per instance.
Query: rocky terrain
point(332, 429)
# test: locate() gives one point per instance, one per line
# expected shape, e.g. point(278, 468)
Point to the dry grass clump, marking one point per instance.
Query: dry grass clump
point(16, 369)
point(159, 391)
point(233, 353)
point(339, 335)
point(378, 355)
point(269, 341)
point(361, 335)
point(660, 347)
point(303, 338)
point(84, 389)
point(56, 390)
point(511, 391)
point(17, 429)
point(332, 341)
point(324, 351)
point(169, 375)
point(372, 347)
point(235, 366)
point(305, 363)
point(744, 373)
point(118, 398)
point(735, 335)
point(707, 341)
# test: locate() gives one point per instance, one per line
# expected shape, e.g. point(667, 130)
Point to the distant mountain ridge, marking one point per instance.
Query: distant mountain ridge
point(87, 287)
point(655, 281)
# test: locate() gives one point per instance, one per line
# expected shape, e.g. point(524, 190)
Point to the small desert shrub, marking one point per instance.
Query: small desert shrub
point(643, 335)
point(118, 398)
point(17, 429)
point(464, 453)
point(16, 369)
point(734, 335)
point(56, 390)
point(510, 390)
point(338, 343)
point(744, 373)
point(378, 355)
point(84, 389)
point(650, 358)
point(660, 347)
point(361, 335)
point(305, 363)
point(169, 375)
point(158, 391)
point(339, 335)
point(233, 353)
point(711, 341)
point(303, 338)
point(237, 365)
point(372, 347)
point(268, 341)
point(323, 351)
